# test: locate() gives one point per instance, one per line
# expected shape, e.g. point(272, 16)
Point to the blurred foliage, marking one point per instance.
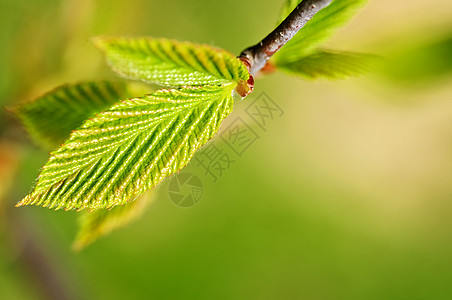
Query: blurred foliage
point(52, 117)
point(96, 224)
point(331, 64)
point(422, 63)
point(347, 196)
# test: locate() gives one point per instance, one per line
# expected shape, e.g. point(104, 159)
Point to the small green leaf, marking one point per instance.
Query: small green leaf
point(171, 63)
point(317, 30)
point(130, 148)
point(50, 118)
point(99, 223)
point(330, 64)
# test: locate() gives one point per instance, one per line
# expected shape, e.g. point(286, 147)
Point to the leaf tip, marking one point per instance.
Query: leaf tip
point(24, 201)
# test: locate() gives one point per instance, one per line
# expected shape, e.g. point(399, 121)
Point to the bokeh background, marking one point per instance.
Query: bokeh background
point(348, 195)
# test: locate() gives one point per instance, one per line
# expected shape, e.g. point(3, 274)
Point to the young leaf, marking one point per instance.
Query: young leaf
point(130, 148)
point(317, 30)
point(50, 118)
point(99, 223)
point(171, 63)
point(330, 64)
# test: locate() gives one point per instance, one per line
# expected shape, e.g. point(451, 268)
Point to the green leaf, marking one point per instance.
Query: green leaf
point(318, 29)
point(171, 63)
point(50, 118)
point(331, 64)
point(130, 148)
point(99, 223)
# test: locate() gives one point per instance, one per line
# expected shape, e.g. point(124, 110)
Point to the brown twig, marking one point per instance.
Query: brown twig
point(257, 56)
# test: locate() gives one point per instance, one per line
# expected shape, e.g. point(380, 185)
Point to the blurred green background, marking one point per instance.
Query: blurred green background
point(347, 196)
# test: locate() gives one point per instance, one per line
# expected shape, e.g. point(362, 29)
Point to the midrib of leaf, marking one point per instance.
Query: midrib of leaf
point(77, 178)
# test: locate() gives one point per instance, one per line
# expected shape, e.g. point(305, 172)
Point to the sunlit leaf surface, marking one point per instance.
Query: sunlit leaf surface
point(171, 63)
point(130, 148)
